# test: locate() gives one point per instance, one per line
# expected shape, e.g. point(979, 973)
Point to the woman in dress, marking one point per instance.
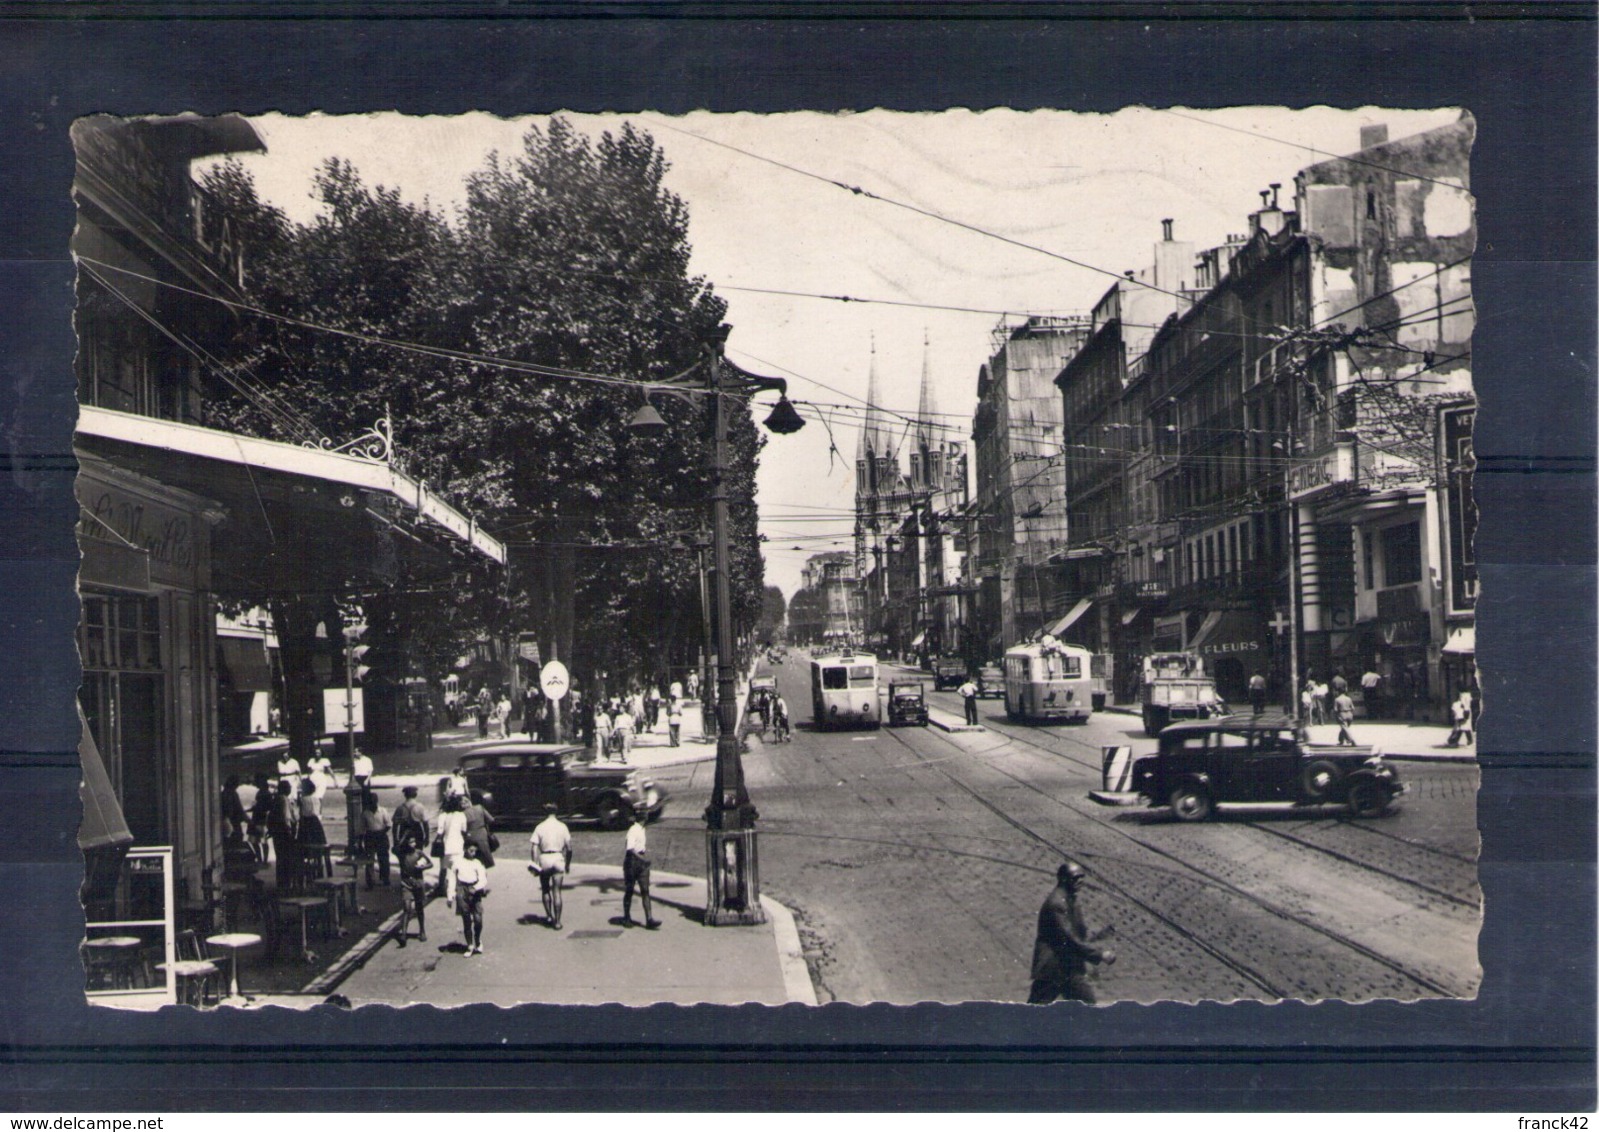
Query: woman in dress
point(311, 831)
point(413, 888)
point(261, 818)
point(480, 828)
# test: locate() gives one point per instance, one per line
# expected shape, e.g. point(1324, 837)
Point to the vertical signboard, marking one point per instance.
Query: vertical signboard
point(1460, 530)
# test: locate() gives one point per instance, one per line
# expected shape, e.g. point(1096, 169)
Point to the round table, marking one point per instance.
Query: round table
point(117, 952)
point(232, 942)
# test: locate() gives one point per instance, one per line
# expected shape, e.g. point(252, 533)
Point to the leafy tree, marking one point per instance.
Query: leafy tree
point(569, 255)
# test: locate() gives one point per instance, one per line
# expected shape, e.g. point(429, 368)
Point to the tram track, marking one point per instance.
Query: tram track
point(1271, 829)
point(1240, 965)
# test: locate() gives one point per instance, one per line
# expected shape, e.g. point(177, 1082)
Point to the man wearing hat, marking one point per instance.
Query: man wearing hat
point(1064, 948)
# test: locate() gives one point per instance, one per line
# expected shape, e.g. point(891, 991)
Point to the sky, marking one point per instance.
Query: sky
point(1092, 187)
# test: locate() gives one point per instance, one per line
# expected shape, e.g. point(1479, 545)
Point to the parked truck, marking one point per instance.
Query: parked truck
point(1175, 686)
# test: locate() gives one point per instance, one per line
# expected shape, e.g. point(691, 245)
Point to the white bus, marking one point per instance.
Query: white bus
point(1049, 681)
point(844, 691)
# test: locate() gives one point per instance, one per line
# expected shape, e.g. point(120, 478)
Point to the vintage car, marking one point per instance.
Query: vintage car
point(907, 704)
point(1247, 758)
point(991, 681)
point(948, 672)
point(518, 779)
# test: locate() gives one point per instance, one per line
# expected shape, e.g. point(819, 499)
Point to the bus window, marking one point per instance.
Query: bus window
point(862, 674)
point(834, 679)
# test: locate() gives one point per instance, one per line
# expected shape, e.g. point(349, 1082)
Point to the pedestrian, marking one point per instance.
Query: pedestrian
point(1371, 693)
point(376, 823)
point(414, 864)
point(968, 695)
point(551, 852)
point(311, 831)
point(1339, 684)
point(234, 820)
point(635, 708)
point(1257, 693)
point(502, 716)
point(1460, 710)
point(1318, 702)
point(652, 707)
point(449, 841)
point(361, 768)
point(674, 719)
point(319, 768)
point(485, 704)
point(1063, 949)
point(410, 819)
point(283, 826)
point(289, 767)
point(1344, 713)
point(622, 733)
point(480, 828)
point(636, 873)
point(693, 685)
point(602, 730)
point(1307, 701)
point(471, 886)
point(261, 818)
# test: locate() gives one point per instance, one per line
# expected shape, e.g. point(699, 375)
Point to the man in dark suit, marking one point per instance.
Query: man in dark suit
point(1064, 948)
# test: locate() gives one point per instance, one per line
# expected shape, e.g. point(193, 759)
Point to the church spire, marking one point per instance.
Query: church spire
point(927, 429)
point(874, 444)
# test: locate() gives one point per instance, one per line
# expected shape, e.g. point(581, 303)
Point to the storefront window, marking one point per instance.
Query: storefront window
point(1401, 554)
point(123, 696)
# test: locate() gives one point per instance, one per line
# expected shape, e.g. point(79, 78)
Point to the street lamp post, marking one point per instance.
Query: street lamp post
point(732, 873)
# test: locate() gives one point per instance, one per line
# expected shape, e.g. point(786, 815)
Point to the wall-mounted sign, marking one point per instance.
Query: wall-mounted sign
point(1334, 466)
point(342, 710)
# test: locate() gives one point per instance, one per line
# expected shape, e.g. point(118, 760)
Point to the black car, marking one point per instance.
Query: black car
point(520, 778)
point(1247, 758)
point(907, 705)
point(948, 672)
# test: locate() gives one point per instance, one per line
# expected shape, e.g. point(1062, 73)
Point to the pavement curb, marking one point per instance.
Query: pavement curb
point(790, 955)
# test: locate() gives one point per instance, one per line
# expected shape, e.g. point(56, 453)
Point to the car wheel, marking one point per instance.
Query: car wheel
point(612, 812)
point(1320, 779)
point(1191, 803)
point(1369, 798)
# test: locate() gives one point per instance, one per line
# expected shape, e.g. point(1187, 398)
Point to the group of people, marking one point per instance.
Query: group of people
point(616, 722)
point(769, 706)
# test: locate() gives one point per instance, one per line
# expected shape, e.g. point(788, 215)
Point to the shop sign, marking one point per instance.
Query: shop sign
point(1335, 466)
point(164, 533)
point(1460, 464)
point(1146, 591)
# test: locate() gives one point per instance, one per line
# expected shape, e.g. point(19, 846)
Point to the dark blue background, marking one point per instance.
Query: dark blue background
point(1526, 1044)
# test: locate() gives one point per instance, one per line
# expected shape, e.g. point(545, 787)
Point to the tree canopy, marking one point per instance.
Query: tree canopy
point(569, 255)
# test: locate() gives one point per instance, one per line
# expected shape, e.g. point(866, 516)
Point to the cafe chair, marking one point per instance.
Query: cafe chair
point(198, 978)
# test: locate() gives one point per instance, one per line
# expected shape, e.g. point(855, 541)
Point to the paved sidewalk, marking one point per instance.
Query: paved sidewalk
point(1396, 739)
point(592, 959)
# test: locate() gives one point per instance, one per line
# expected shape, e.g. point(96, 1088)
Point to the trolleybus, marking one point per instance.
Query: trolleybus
point(1047, 680)
point(844, 691)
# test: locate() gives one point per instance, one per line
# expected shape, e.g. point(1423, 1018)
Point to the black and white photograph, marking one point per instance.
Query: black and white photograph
point(714, 558)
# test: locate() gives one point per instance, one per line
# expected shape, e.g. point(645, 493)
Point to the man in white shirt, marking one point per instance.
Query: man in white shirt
point(551, 847)
point(361, 768)
point(968, 694)
point(636, 874)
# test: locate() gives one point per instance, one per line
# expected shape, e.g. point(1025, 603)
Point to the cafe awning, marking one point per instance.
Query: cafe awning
point(245, 658)
point(103, 825)
point(1071, 617)
point(297, 518)
point(1462, 640)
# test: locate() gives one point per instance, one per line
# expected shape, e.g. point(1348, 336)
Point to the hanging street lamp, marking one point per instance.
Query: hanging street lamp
point(732, 864)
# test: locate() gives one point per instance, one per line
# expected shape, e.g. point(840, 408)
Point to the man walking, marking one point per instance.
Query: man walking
point(968, 694)
point(410, 819)
point(636, 874)
point(674, 719)
point(1371, 693)
point(622, 731)
point(1257, 693)
point(1064, 948)
point(552, 857)
point(1344, 713)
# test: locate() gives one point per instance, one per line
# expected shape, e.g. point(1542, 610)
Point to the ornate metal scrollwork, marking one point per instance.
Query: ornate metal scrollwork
point(375, 445)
